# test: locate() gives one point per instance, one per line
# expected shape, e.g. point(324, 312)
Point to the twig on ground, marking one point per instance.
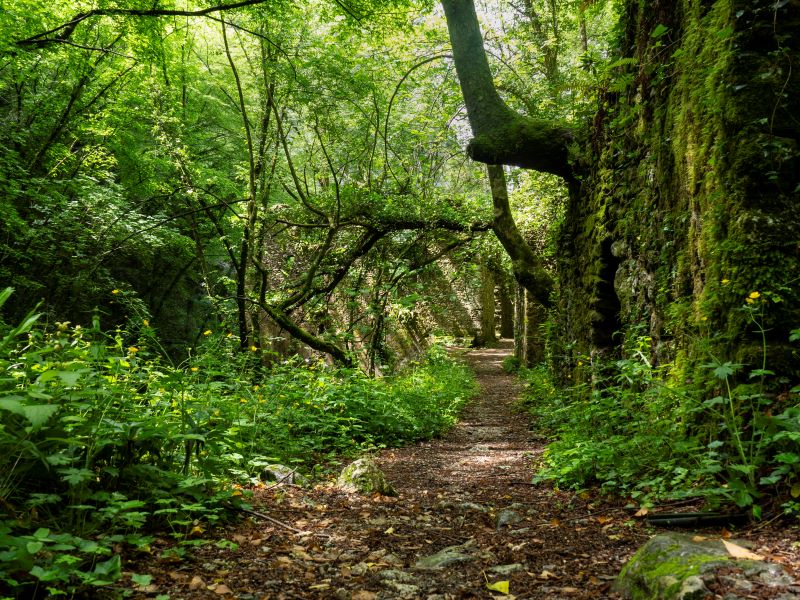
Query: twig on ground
point(275, 521)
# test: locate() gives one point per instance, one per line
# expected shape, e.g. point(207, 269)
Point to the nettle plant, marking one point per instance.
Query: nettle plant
point(638, 430)
point(758, 423)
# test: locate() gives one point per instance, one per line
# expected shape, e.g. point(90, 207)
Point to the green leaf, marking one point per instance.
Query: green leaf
point(75, 476)
point(107, 572)
point(659, 31)
point(39, 414)
point(725, 370)
point(789, 458)
point(760, 373)
point(12, 404)
point(141, 579)
point(51, 574)
point(34, 547)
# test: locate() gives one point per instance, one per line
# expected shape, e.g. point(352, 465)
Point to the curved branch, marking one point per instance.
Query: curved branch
point(67, 29)
point(527, 267)
point(501, 136)
point(312, 341)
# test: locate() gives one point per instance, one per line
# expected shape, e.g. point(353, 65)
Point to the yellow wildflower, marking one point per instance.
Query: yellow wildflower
point(133, 349)
point(145, 322)
point(115, 292)
point(194, 369)
point(754, 295)
point(207, 332)
point(726, 281)
point(253, 348)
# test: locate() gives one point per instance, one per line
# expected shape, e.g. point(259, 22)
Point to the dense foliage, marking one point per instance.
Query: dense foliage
point(102, 441)
point(234, 232)
point(637, 430)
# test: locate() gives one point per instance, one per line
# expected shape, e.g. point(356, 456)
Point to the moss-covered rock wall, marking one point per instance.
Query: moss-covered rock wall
point(690, 201)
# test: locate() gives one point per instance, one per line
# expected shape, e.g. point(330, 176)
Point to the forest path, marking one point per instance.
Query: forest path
point(471, 489)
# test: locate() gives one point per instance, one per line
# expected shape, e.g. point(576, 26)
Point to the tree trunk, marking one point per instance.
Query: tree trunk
point(501, 136)
point(488, 328)
point(535, 315)
point(526, 265)
point(506, 292)
point(519, 323)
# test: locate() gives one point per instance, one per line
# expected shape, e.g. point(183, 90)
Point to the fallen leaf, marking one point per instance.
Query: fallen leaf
point(555, 523)
point(300, 552)
point(499, 586)
point(725, 534)
point(641, 512)
point(795, 491)
point(319, 586)
point(239, 538)
point(197, 530)
point(568, 590)
point(594, 580)
point(389, 531)
point(545, 574)
point(364, 595)
point(603, 520)
point(615, 537)
point(738, 552)
point(699, 538)
point(197, 583)
point(222, 589)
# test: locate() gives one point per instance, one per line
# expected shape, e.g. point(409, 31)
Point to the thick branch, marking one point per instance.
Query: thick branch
point(312, 341)
point(501, 136)
point(526, 265)
point(65, 30)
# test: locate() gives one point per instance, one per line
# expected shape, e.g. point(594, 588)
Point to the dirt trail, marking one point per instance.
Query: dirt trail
point(471, 489)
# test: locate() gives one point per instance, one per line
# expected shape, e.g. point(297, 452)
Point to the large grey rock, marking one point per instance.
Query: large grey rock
point(446, 557)
point(507, 517)
point(364, 477)
point(677, 567)
point(282, 474)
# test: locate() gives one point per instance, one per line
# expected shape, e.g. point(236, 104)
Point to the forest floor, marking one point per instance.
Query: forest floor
point(471, 489)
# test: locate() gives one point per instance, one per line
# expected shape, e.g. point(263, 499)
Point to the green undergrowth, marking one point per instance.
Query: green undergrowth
point(637, 431)
point(104, 445)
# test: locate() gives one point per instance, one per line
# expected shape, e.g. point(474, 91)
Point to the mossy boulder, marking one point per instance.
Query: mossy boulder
point(364, 477)
point(678, 567)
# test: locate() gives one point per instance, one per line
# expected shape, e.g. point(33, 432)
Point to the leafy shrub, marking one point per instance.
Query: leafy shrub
point(511, 364)
point(101, 441)
point(636, 431)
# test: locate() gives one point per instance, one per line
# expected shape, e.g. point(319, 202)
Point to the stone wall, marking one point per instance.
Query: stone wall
point(690, 200)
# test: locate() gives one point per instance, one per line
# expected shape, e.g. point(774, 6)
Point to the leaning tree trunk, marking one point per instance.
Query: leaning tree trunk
point(501, 136)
